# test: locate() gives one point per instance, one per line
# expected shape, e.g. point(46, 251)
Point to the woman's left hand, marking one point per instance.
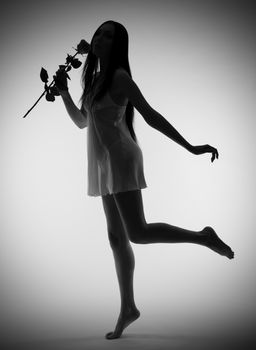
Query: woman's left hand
point(60, 79)
point(205, 149)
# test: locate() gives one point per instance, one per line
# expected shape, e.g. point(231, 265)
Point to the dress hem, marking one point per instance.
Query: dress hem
point(108, 193)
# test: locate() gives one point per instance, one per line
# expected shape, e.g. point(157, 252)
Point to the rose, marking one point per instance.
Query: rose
point(83, 47)
point(51, 90)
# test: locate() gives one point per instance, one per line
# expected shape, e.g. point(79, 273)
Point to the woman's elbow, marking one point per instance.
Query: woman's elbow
point(84, 122)
point(82, 125)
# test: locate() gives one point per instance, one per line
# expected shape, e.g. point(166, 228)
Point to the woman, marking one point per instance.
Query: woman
point(115, 163)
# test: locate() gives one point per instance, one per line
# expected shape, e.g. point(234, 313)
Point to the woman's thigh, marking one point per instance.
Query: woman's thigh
point(116, 229)
point(130, 206)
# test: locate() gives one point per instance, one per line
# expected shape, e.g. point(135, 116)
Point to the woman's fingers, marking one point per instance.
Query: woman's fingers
point(214, 154)
point(206, 149)
point(61, 85)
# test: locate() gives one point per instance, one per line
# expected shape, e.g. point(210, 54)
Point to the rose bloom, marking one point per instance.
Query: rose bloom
point(83, 47)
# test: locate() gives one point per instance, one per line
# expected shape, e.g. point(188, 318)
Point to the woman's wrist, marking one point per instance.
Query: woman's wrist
point(190, 148)
point(64, 93)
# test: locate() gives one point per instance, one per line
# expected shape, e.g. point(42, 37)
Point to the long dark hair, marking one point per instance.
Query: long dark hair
point(118, 58)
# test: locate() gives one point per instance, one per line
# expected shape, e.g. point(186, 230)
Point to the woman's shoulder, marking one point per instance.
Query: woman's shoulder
point(120, 76)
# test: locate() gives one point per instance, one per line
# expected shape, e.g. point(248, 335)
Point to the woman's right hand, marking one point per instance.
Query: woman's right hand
point(60, 79)
point(205, 149)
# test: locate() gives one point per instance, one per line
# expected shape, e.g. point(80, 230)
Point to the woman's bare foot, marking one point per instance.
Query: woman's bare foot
point(213, 242)
point(125, 318)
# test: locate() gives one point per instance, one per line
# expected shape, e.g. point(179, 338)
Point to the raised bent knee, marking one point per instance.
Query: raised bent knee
point(138, 236)
point(137, 240)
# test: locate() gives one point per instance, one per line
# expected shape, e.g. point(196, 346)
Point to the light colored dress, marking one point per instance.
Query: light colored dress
point(115, 161)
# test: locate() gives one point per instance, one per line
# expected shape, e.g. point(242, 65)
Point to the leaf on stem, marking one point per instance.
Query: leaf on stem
point(76, 63)
point(44, 75)
point(68, 59)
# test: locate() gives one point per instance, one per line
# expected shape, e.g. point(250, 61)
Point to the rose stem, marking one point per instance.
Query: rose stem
point(44, 92)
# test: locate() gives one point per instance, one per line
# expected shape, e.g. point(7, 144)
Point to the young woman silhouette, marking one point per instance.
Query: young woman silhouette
point(115, 162)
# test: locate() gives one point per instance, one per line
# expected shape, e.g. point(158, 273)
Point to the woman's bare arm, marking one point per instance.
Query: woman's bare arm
point(78, 116)
point(130, 90)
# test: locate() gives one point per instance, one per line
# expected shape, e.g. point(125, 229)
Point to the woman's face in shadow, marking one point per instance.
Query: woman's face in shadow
point(103, 40)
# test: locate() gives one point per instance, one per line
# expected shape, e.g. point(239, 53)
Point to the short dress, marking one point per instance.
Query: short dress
point(115, 161)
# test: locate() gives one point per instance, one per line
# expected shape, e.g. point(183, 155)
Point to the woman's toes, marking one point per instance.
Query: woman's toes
point(108, 335)
point(231, 255)
point(216, 244)
point(112, 335)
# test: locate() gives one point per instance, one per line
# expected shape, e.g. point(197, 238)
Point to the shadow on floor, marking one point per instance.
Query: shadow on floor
point(139, 342)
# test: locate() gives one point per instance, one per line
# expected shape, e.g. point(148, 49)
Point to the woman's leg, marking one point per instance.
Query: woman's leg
point(130, 206)
point(124, 263)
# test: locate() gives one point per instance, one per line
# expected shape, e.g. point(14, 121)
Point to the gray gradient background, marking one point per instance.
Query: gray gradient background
point(194, 62)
